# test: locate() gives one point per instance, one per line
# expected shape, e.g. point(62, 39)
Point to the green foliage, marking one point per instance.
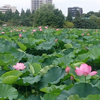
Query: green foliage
point(83, 23)
point(83, 91)
point(93, 18)
point(49, 78)
point(1, 22)
point(46, 54)
point(22, 46)
point(31, 80)
point(32, 97)
point(98, 22)
point(69, 17)
point(89, 97)
point(89, 14)
point(10, 77)
point(50, 17)
point(49, 97)
point(7, 92)
point(77, 16)
point(68, 24)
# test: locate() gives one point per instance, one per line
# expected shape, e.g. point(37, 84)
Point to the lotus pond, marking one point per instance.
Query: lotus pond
point(49, 64)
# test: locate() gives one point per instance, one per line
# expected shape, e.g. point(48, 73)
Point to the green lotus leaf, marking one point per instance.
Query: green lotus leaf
point(48, 61)
point(68, 46)
point(32, 69)
point(20, 97)
point(58, 32)
point(11, 51)
point(31, 80)
point(36, 67)
point(94, 53)
point(33, 97)
point(54, 89)
point(53, 76)
point(45, 69)
point(83, 57)
point(46, 45)
point(31, 42)
point(74, 97)
point(49, 96)
point(17, 54)
point(22, 46)
point(5, 37)
point(92, 97)
point(89, 97)
point(34, 59)
point(63, 61)
point(7, 92)
point(81, 89)
point(11, 76)
point(6, 59)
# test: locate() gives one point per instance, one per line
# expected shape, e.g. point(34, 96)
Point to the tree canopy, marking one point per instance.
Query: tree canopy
point(48, 15)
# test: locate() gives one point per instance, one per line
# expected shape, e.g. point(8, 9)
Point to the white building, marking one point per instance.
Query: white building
point(35, 4)
point(7, 7)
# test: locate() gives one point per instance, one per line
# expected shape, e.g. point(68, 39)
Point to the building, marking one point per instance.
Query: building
point(35, 4)
point(7, 7)
point(73, 11)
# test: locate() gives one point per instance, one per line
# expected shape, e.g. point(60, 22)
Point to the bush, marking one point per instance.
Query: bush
point(85, 23)
point(1, 22)
point(68, 24)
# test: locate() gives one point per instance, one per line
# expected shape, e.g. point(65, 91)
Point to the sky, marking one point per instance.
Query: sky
point(87, 5)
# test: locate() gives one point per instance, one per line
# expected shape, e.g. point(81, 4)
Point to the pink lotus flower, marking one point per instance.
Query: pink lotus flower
point(24, 31)
point(19, 66)
point(20, 35)
point(56, 40)
point(34, 30)
point(88, 34)
point(2, 32)
point(82, 34)
point(85, 70)
point(41, 29)
point(67, 69)
point(96, 30)
point(46, 27)
point(71, 78)
point(57, 29)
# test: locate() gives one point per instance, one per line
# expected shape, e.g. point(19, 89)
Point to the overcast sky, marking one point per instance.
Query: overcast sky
point(87, 5)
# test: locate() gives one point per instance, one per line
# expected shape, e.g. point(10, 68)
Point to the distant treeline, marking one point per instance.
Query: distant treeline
point(48, 15)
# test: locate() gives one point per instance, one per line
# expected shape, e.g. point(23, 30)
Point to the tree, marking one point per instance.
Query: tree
point(98, 22)
point(28, 12)
point(48, 15)
point(22, 12)
point(77, 16)
point(85, 23)
point(69, 17)
point(1, 22)
point(93, 18)
point(59, 18)
point(1, 16)
point(8, 15)
point(16, 18)
point(24, 20)
point(89, 14)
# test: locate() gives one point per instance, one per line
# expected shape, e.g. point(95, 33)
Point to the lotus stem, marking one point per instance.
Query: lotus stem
point(85, 79)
